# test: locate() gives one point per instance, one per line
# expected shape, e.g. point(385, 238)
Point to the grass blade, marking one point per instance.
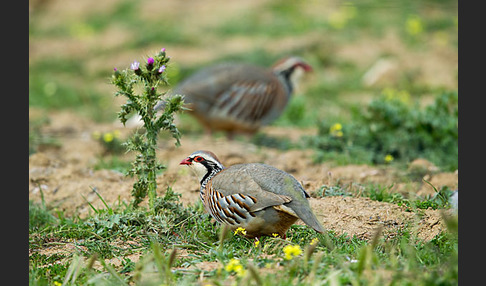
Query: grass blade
point(110, 210)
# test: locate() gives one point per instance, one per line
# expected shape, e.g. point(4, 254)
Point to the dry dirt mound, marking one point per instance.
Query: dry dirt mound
point(64, 175)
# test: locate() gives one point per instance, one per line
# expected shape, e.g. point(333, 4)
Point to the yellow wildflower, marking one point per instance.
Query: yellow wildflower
point(388, 158)
point(240, 272)
point(108, 137)
point(314, 241)
point(291, 251)
point(414, 25)
point(240, 230)
point(257, 242)
point(57, 283)
point(336, 130)
point(235, 265)
point(232, 265)
point(337, 126)
point(275, 234)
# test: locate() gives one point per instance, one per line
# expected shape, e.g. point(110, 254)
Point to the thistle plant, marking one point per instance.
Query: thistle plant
point(139, 84)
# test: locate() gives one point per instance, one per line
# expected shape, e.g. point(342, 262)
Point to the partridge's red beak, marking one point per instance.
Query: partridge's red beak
point(306, 67)
point(185, 162)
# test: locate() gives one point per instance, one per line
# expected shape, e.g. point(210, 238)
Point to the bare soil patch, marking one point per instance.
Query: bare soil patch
point(65, 176)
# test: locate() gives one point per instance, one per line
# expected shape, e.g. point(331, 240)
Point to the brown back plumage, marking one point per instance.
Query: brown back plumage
point(258, 197)
point(239, 98)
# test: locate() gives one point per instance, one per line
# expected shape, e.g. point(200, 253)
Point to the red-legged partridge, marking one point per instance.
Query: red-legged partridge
point(257, 197)
point(240, 98)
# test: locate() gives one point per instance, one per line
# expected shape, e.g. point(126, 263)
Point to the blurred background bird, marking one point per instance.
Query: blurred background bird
point(238, 98)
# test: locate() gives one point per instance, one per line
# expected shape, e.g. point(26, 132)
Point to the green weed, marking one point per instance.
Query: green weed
point(117, 231)
point(39, 216)
point(380, 193)
point(111, 142)
point(139, 85)
point(392, 129)
point(112, 163)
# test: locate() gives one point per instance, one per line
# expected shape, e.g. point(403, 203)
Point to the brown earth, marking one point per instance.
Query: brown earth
point(66, 177)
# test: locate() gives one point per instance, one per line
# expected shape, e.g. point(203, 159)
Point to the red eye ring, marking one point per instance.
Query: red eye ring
point(198, 159)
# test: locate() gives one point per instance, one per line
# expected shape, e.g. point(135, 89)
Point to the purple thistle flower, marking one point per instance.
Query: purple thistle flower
point(162, 52)
point(116, 72)
point(150, 61)
point(162, 69)
point(135, 65)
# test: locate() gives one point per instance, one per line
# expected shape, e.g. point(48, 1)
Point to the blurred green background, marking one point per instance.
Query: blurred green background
point(360, 50)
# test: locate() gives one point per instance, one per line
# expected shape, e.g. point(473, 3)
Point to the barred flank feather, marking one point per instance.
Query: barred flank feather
point(239, 98)
point(260, 198)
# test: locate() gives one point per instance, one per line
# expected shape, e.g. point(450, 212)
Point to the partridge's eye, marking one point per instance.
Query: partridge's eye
point(198, 159)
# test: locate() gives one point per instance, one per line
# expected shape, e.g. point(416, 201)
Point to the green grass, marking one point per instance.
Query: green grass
point(112, 163)
point(381, 193)
point(63, 80)
point(51, 87)
point(116, 231)
point(37, 138)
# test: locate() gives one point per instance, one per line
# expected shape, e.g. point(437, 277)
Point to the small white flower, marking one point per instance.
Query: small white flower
point(135, 65)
